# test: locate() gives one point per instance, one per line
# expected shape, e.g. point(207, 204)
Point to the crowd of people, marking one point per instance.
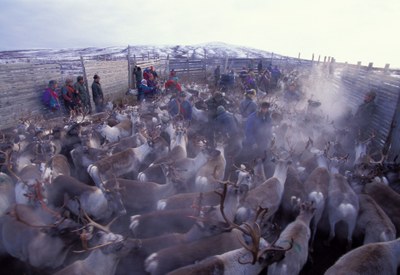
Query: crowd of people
point(75, 96)
point(255, 119)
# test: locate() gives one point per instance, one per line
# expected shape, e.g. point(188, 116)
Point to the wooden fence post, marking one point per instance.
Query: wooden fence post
point(86, 79)
point(129, 69)
point(386, 69)
point(187, 68)
point(205, 63)
point(167, 65)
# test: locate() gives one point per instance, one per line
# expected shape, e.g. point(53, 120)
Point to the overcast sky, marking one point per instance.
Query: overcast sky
point(349, 30)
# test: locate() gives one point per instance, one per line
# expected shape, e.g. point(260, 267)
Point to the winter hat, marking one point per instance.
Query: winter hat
point(251, 92)
point(220, 109)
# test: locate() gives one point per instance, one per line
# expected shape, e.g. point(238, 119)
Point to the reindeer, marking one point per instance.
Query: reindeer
point(178, 151)
point(297, 233)
point(29, 236)
point(104, 256)
point(156, 223)
point(140, 197)
point(369, 259)
point(121, 163)
point(211, 170)
point(267, 195)
point(58, 165)
point(7, 193)
point(186, 168)
point(185, 200)
point(121, 130)
point(171, 258)
point(372, 221)
point(237, 261)
point(316, 188)
point(27, 179)
point(293, 195)
point(343, 205)
point(387, 199)
point(100, 203)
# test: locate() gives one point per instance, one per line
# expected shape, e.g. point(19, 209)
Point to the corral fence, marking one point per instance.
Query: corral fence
point(23, 83)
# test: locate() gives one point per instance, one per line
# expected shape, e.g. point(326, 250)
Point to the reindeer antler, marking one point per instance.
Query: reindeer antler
point(253, 230)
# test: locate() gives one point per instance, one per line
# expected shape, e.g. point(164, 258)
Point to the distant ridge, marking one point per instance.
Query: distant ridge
point(211, 50)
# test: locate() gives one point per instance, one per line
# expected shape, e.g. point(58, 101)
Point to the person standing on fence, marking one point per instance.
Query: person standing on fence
point(83, 94)
point(50, 97)
point(69, 95)
point(97, 92)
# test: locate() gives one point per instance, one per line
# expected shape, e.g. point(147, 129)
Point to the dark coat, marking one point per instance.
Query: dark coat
point(226, 123)
point(97, 93)
point(247, 107)
point(180, 108)
point(362, 119)
point(212, 105)
point(258, 129)
point(83, 94)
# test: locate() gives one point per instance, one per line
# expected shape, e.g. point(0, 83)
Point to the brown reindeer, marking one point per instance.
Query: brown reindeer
point(369, 259)
point(373, 222)
point(297, 234)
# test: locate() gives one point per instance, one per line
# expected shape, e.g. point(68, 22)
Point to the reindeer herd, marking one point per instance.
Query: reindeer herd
point(135, 191)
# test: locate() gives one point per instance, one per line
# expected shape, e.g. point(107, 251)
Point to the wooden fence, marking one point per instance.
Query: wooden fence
point(23, 83)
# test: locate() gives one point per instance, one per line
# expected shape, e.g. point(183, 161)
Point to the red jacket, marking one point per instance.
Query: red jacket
point(173, 85)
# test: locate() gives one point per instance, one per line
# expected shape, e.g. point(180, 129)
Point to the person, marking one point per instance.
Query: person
point(146, 73)
point(292, 94)
point(83, 94)
point(70, 95)
point(217, 75)
point(263, 82)
point(250, 82)
point(225, 123)
point(137, 72)
point(247, 105)
point(212, 104)
point(172, 85)
point(361, 122)
point(97, 93)
point(172, 73)
point(50, 97)
point(180, 106)
point(258, 128)
point(275, 76)
point(260, 67)
point(144, 91)
point(153, 72)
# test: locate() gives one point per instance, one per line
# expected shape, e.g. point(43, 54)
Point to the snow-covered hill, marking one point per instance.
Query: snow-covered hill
point(210, 50)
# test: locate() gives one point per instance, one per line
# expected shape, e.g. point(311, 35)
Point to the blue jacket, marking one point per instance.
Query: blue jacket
point(258, 128)
point(247, 107)
point(226, 123)
point(180, 108)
